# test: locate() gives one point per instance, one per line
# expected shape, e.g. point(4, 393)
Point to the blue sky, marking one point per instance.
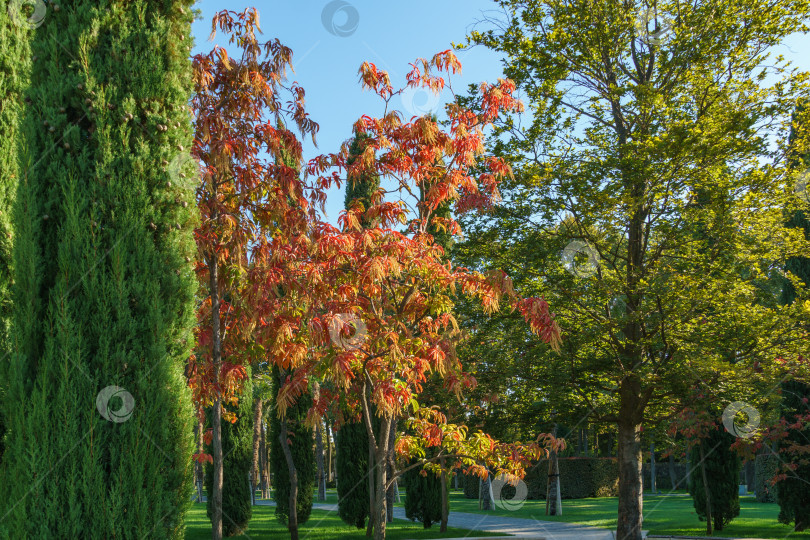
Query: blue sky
point(331, 38)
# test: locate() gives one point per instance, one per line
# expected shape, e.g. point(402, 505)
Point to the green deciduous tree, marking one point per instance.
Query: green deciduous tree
point(237, 451)
point(627, 123)
point(100, 426)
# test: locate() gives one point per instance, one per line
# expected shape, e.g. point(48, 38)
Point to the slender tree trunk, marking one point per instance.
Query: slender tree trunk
point(328, 452)
point(381, 479)
point(389, 493)
point(257, 437)
point(319, 460)
point(445, 500)
point(673, 476)
point(630, 479)
point(292, 523)
point(216, 416)
point(553, 503)
point(485, 492)
point(706, 490)
point(652, 468)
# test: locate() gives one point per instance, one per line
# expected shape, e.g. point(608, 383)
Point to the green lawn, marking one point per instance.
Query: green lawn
point(322, 525)
point(662, 515)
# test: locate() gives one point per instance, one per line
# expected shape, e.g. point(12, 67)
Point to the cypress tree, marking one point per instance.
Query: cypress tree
point(793, 495)
point(237, 451)
point(301, 441)
point(723, 475)
point(352, 473)
point(98, 411)
point(423, 498)
point(360, 186)
point(14, 73)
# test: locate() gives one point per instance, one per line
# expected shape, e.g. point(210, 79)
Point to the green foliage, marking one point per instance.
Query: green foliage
point(14, 72)
point(102, 294)
point(766, 468)
point(352, 473)
point(723, 474)
point(423, 498)
point(793, 494)
point(237, 452)
point(360, 186)
point(579, 478)
point(301, 445)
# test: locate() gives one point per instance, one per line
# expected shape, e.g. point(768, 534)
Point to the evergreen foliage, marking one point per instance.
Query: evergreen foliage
point(793, 494)
point(237, 452)
point(352, 473)
point(723, 475)
point(423, 497)
point(301, 446)
point(360, 187)
point(103, 298)
point(14, 73)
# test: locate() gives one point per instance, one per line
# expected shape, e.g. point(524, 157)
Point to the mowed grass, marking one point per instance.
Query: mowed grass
point(322, 525)
point(663, 514)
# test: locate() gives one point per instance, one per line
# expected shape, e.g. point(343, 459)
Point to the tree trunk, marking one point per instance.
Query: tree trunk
point(485, 492)
point(389, 493)
point(706, 490)
point(292, 523)
point(630, 479)
point(257, 437)
point(673, 476)
point(381, 456)
point(216, 416)
point(329, 469)
point(319, 460)
point(553, 503)
point(263, 462)
point(371, 498)
point(445, 501)
point(652, 468)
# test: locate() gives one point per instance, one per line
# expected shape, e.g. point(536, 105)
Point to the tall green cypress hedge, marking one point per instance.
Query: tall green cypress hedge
point(237, 452)
point(423, 496)
point(98, 411)
point(352, 473)
point(723, 475)
point(301, 445)
point(15, 64)
point(793, 494)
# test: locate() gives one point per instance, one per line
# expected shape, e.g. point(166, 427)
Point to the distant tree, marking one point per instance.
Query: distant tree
point(237, 448)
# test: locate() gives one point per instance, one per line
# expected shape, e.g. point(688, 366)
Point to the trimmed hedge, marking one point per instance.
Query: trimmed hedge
point(580, 477)
point(767, 466)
